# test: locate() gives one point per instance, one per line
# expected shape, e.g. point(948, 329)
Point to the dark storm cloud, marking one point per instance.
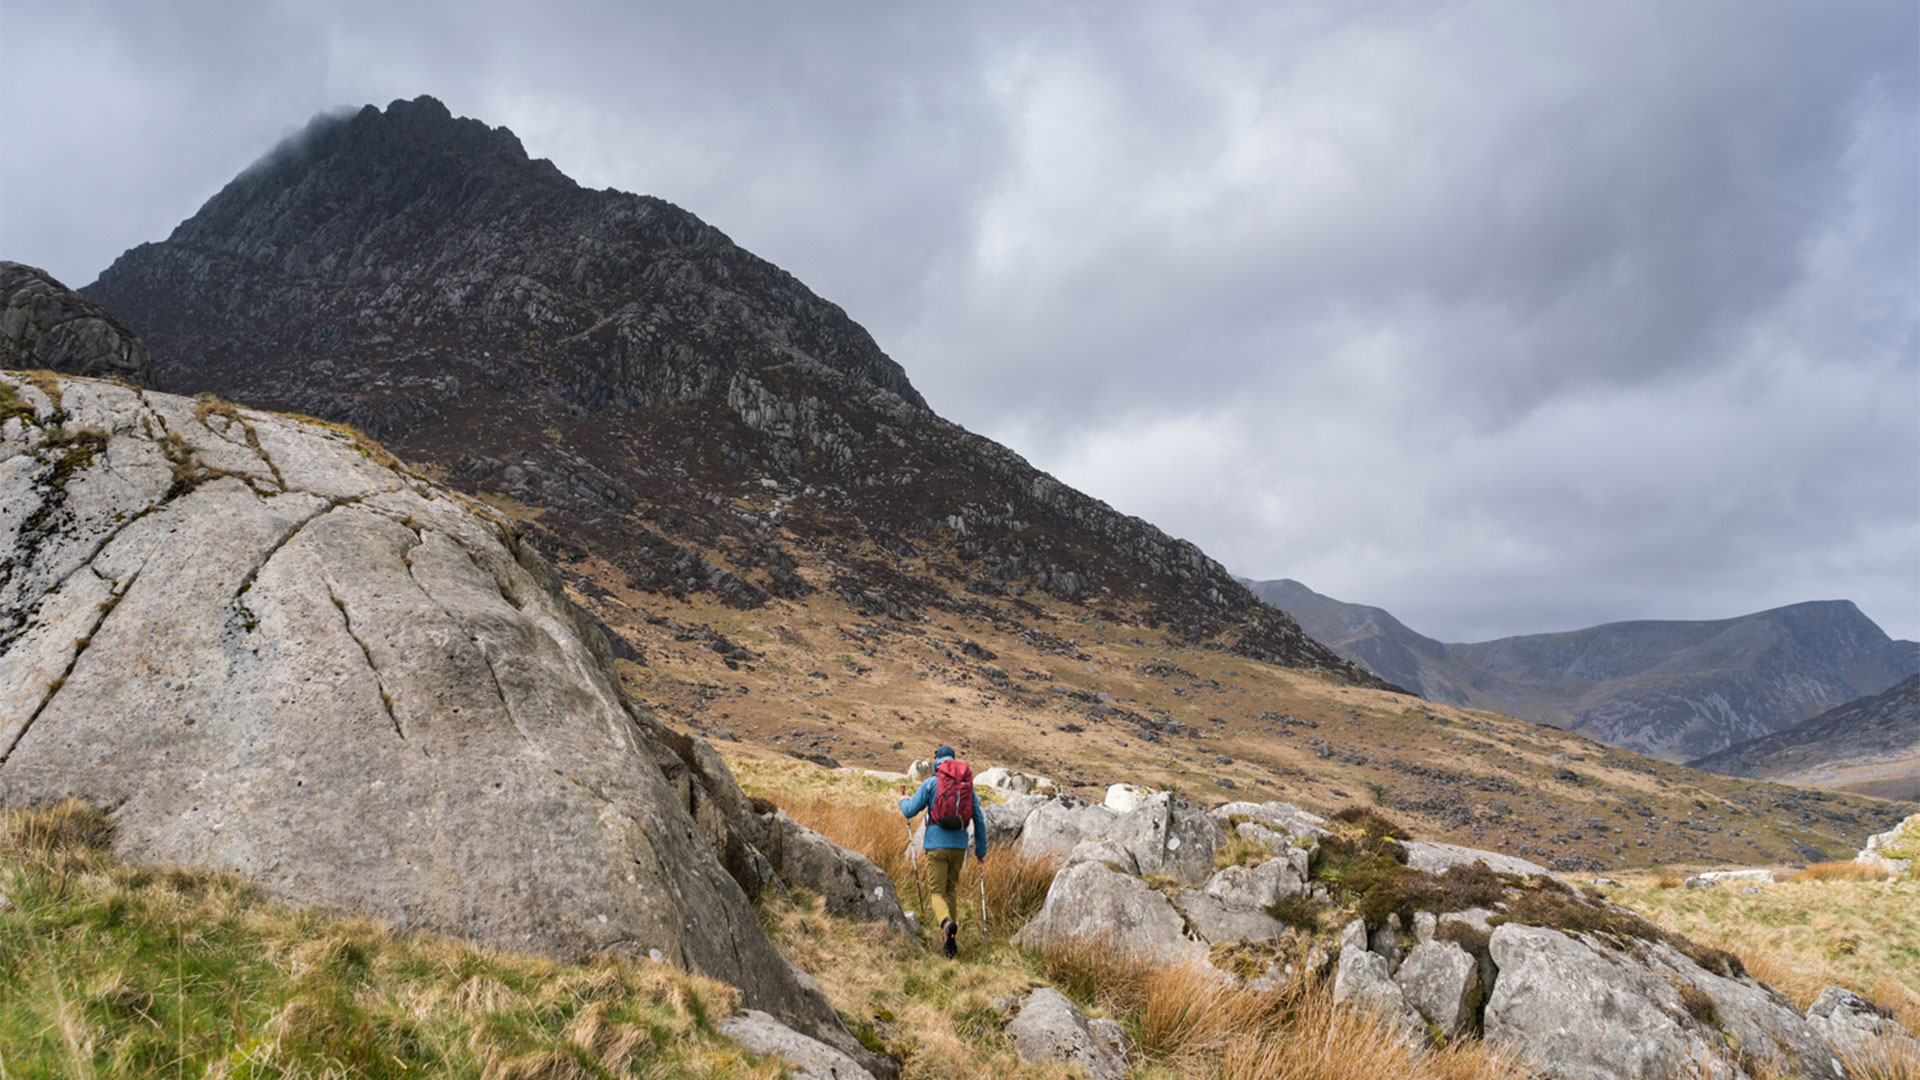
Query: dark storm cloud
point(1505, 316)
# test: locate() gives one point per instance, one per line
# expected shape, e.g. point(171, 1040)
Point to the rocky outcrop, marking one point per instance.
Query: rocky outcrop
point(1055, 826)
point(1857, 1030)
point(1435, 858)
point(1894, 851)
point(268, 649)
point(1052, 1028)
point(45, 325)
point(1091, 903)
point(1671, 690)
point(1870, 745)
point(1582, 1010)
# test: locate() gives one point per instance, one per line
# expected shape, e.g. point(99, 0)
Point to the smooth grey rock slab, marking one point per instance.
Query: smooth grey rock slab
point(1168, 837)
point(1442, 982)
point(1056, 825)
point(1437, 858)
point(811, 1059)
point(274, 656)
point(1090, 902)
point(1216, 922)
point(1052, 1028)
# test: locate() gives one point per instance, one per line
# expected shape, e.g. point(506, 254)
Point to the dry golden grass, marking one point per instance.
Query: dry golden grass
point(1804, 935)
point(1834, 871)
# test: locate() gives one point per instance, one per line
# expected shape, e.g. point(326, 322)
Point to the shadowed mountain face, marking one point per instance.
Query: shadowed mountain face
point(658, 398)
point(1871, 746)
point(1673, 690)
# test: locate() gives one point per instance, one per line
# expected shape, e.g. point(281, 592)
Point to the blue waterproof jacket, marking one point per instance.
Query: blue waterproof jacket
point(937, 838)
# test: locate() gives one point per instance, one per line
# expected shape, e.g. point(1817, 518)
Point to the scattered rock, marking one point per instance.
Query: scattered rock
point(811, 1059)
point(1000, 778)
point(1124, 798)
point(1854, 1026)
point(1169, 837)
point(1738, 877)
point(1701, 882)
point(1437, 858)
point(1895, 850)
point(1052, 1028)
point(1442, 982)
point(1255, 887)
point(1215, 921)
point(1090, 902)
point(1363, 980)
point(1055, 826)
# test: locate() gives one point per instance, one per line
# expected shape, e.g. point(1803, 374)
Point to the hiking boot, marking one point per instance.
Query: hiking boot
point(950, 938)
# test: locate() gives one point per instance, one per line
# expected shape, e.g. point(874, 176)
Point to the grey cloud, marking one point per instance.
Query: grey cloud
point(1505, 316)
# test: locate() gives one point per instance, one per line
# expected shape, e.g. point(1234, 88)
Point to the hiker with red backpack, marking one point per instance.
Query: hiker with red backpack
point(951, 806)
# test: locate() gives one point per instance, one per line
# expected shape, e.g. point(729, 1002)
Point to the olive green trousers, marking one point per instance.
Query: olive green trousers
point(943, 868)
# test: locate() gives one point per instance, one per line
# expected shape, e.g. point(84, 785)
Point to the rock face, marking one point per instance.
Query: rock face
point(1093, 903)
point(1870, 745)
point(44, 324)
point(1896, 850)
point(1052, 1028)
point(1671, 690)
point(1434, 858)
point(270, 650)
point(419, 276)
point(1853, 1027)
point(1580, 1010)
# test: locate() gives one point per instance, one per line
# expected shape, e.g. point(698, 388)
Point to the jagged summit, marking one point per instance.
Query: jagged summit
point(407, 254)
point(666, 403)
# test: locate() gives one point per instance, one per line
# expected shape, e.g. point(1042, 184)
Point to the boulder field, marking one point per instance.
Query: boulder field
point(1444, 942)
point(265, 647)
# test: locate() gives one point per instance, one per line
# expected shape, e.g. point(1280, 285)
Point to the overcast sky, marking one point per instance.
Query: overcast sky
point(1505, 316)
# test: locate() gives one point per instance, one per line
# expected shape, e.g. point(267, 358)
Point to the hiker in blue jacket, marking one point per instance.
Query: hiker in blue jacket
point(946, 847)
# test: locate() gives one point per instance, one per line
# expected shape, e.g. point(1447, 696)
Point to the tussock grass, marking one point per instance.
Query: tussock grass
point(107, 971)
point(1804, 935)
point(1834, 871)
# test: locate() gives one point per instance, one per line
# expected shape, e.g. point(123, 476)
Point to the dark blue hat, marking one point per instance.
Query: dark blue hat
point(943, 753)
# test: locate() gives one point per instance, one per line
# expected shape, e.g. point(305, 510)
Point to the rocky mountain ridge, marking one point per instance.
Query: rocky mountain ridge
point(1870, 745)
point(1672, 690)
point(625, 368)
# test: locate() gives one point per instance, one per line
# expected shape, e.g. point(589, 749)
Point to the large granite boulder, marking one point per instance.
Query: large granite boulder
point(1168, 837)
point(1215, 921)
point(1855, 1028)
point(1052, 1028)
point(1365, 981)
point(268, 649)
point(1442, 982)
point(1056, 825)
point(1005, 821)
point(1577, 1009)
point(44, 324)
point(849, 883)
point(1091, 903)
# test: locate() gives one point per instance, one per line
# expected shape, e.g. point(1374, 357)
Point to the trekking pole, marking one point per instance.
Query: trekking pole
point(914, 856)
point(986, 942)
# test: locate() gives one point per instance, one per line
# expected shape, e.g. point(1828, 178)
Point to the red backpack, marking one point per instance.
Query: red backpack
point(952, 794)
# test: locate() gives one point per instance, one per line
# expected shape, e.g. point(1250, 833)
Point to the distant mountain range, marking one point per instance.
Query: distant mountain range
point(1672, 690)
point(1871, 746)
